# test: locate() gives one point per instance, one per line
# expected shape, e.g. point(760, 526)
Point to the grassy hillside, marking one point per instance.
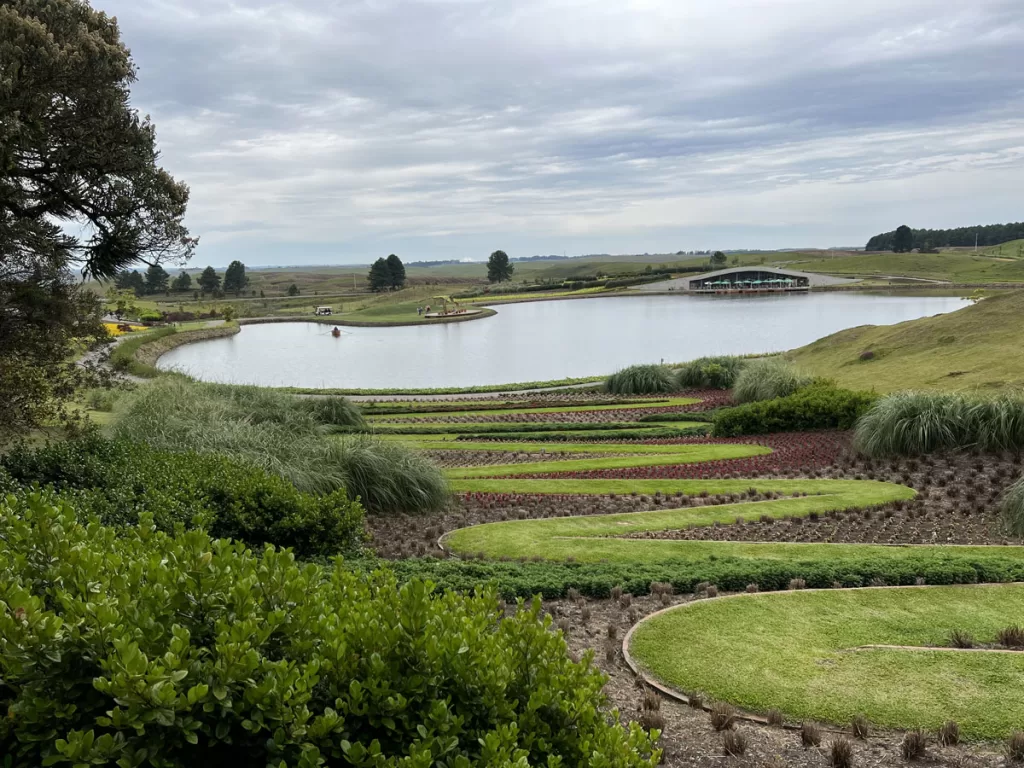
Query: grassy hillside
point(956, 266)
point(976, 347)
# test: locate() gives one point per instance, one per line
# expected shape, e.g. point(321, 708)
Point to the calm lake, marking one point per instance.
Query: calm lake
point(539, 341)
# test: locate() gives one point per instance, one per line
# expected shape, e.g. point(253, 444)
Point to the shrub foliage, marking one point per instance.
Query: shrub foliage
point(767, 379)
point(115, 480)
point(641, 380)
point(915, 423)
point(710, 372)
point(819, 406)
point(284, 435)
point(174, 651)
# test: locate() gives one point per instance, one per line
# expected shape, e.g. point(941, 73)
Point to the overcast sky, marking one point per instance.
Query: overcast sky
point(337, 131)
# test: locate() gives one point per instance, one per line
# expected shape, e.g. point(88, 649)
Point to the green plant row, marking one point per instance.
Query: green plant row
point(555, 579)
point(819, 406)
point(141, 648)
point(117, 481)
point(402, 408)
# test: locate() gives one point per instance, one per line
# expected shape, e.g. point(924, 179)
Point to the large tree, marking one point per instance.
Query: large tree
point(499, 268)
point(156, 279)
point(183, 282)
point(397, 270)
point(903, 241)
point(718, 259)
point(380, 276)
point(130, 280)
point(80, 189)
point(234, 278)
point(209, 280)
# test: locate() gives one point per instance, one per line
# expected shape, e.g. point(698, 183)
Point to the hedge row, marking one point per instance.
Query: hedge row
point(117, 481)
point(668, 433)
point(139, 648)
point(554, 579)
point(819, 406)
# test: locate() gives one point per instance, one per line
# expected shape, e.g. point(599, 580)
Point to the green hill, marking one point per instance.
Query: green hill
point(978, 347)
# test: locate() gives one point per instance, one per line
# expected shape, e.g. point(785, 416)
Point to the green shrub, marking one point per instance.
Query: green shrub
point(122, 357)
point(710, 372)
point(117, 481)
point(336, 411)
point(641, 380)
point(816, 407)
point(179, 651)
point(766, 379)
point(915, 423)
point(554, 579)
point(282, 435)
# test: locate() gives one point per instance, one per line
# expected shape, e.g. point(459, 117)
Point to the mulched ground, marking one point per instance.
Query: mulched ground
point(445, 458)
point(958, 503)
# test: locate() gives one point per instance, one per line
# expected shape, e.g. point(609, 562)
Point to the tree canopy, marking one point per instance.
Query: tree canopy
point(903, 241)
point(380, 278)
point(293, 290)
point(156, 279)
point(80, 189)
point(209, 280)
point(397, 270)
point(235, 279)
point(961, 237)
point(183, 282)
point(718, 259)
point(499, 268)
point(130, 280)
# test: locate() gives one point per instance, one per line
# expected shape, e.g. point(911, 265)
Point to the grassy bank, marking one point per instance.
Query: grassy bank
point(138, 355)
point(977, 347)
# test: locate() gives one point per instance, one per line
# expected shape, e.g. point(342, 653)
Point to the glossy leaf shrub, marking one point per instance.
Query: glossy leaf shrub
point(117, 480)
point(180, 651)
point(816, 407)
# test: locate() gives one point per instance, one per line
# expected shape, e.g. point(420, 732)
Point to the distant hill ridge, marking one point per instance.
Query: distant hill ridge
point(987, 234)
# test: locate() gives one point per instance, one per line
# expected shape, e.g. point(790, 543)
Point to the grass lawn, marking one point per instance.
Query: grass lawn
point(592, 538)
point(683, 454)
point(794, 651)
point(666, 403)
point(977, 347)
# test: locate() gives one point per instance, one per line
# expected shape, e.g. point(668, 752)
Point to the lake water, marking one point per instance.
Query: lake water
point(539, 341)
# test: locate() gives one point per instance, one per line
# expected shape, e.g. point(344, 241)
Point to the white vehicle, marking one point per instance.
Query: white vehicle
point(323, 311)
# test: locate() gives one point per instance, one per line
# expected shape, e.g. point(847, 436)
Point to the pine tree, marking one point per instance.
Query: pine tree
point(156, 279)
point(397, 270)
point(380, 276)
point(499, 268)
point(234, 278)
point(183, 282)
point(209, 280)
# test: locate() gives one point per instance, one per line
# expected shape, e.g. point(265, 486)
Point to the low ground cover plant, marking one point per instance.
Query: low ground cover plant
point(766, 379)
point(641, 380)
point(915, 423)
point(819, 406)
point(177, 650)
point(710, 372)
point(117, 481)
point(283, 435)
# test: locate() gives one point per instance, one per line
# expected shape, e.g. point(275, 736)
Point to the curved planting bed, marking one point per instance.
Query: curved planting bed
point(833, 654)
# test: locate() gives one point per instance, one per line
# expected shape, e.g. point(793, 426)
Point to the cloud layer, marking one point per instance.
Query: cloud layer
point(333, 131)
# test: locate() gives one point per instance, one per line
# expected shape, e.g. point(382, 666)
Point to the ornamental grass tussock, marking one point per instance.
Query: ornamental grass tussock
point(271, 661)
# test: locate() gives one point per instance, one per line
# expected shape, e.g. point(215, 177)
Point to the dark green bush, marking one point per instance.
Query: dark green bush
point(142, 648)
point(816, 407)
point(710, 372)
point(554, 579)
point(117, 480)
point(335, 410)
point(641, 380)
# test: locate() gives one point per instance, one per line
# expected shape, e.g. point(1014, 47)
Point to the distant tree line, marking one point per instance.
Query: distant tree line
point(928, 239)
point(156, 280)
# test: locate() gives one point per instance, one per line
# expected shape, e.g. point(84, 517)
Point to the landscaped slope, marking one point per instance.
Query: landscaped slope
point(976, 347)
